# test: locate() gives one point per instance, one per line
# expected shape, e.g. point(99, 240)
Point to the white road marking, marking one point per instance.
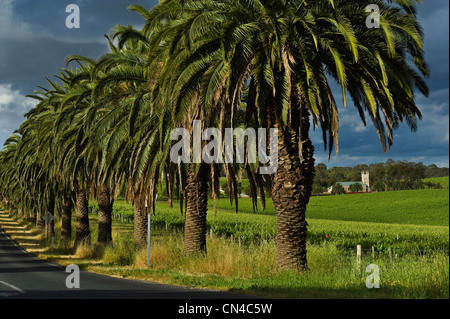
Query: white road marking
point(7, 294)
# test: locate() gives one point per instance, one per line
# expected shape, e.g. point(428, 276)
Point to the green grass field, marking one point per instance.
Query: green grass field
point(344, 234)
point(406, 221)
point(416, 207)
point(420, 207)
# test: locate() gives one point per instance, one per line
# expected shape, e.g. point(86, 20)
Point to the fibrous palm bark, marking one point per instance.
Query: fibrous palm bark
point(105, 206)
point(140, 222)
point(291, 190)
point(50, 226)
point(83, 234)
point(66, 216)
point(196, 208)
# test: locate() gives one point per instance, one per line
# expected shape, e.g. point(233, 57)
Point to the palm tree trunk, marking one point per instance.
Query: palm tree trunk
point(40, 224)
point(50, 227)
point(140, 222)
point(66, 216)
point(196, 208)
point(105, 206)
point(291, 190)
point(83, 234)
point(169, 183)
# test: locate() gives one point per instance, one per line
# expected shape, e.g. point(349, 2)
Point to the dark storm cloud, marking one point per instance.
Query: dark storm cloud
point(434, 18)
point(27, 63)
point(43, 41)
point(430, 144)
point(97, 16)
point(34, 43)
point(360, 144)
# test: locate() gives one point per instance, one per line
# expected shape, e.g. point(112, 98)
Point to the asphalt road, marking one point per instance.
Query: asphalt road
point(23, 276)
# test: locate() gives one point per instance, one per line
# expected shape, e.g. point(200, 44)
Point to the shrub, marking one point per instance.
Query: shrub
point(224, 187)
point(418, 185)
point(337, 189)
point(120, 253)
point(356, 187)
point(247, 190)
point(378, 187)
point(318, 189)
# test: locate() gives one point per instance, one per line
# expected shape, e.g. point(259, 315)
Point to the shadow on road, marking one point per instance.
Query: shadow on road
point(23, 276)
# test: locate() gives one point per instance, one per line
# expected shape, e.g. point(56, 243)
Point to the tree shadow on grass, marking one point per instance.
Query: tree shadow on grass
point(344, 293)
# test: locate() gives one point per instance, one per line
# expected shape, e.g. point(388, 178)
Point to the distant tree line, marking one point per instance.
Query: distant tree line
point(388, 176)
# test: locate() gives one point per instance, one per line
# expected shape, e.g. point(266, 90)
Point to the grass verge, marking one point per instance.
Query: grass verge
point(247, 268)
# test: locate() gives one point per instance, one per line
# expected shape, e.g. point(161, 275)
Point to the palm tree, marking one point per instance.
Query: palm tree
point(80, 91)
point(34, 161)
point(181, 88)
point(71, 141)
point(41, 176)
point(46, 112)
point(117, 100)
point(128, 127)
point(10, 190)
point(66, 214)
point(291, 51)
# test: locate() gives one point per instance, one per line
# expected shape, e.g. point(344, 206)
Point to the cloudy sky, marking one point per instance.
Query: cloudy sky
point(34, 41)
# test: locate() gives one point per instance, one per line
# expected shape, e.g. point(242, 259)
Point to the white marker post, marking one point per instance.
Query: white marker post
point(148, 239)
point(148, 229)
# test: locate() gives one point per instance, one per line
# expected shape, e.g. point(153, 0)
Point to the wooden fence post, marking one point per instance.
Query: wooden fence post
point(358, 255)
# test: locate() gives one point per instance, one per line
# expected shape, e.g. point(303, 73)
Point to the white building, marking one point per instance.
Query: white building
point(365, 183)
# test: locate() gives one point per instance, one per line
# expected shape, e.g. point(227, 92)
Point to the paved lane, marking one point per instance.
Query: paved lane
point(25, 276)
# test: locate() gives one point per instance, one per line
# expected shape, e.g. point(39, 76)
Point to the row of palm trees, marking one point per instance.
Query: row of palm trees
point(105, 125)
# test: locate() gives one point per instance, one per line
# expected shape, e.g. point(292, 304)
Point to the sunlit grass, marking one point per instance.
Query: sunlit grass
point(251, 269)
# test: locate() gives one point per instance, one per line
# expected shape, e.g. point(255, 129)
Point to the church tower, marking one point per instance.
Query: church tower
point(365, 178)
